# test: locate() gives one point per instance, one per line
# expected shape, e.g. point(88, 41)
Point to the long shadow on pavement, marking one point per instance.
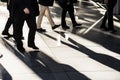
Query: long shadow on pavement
point(46, 67)
point(109, 42)
point(4, 74)
point(102, 58)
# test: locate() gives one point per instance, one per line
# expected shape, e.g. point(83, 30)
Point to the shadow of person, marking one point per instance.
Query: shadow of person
point(46, 67)
point(4, 75)
point(110, 42)
point(102, 58)
point(49, 69)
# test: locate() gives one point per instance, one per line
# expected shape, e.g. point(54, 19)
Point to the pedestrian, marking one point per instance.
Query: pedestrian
point(25, 10)
point(67, 6)
point(109, 16)
point(44, 10)
point(9, 21)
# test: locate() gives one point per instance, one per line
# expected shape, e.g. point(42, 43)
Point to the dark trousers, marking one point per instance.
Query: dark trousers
point(109, 15)
point(70, 10)
point(18, 26)
point(9, 22)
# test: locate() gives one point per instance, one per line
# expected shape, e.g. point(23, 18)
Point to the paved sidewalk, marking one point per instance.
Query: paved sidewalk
point(83, 53)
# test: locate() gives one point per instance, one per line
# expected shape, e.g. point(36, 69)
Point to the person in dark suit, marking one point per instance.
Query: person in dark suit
point(109, 16)
point(9, 21)
point(67, 6)
point(25, 10)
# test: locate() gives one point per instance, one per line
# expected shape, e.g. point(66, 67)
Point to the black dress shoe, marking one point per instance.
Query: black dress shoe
point(33, 46)
point(76, 24)
point(41, 30)
point(104, 28)
point(21, 49)
point(113, 31)
point(7, 34)
point(65, 27)
point(56, 26)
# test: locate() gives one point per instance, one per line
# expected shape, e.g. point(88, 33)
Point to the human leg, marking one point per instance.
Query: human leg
point(63, 16)
point(103, 24)
point(110, 16)
point(8, 24)
point(31, 22)
point(72, 16)
point(48, 15)
point(40, 17)
point(17, 32)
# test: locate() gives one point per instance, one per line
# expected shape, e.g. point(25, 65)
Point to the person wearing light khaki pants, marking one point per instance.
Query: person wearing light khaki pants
point(44, 10)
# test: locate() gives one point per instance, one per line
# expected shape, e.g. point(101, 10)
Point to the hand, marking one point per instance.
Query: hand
point(26, 11)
